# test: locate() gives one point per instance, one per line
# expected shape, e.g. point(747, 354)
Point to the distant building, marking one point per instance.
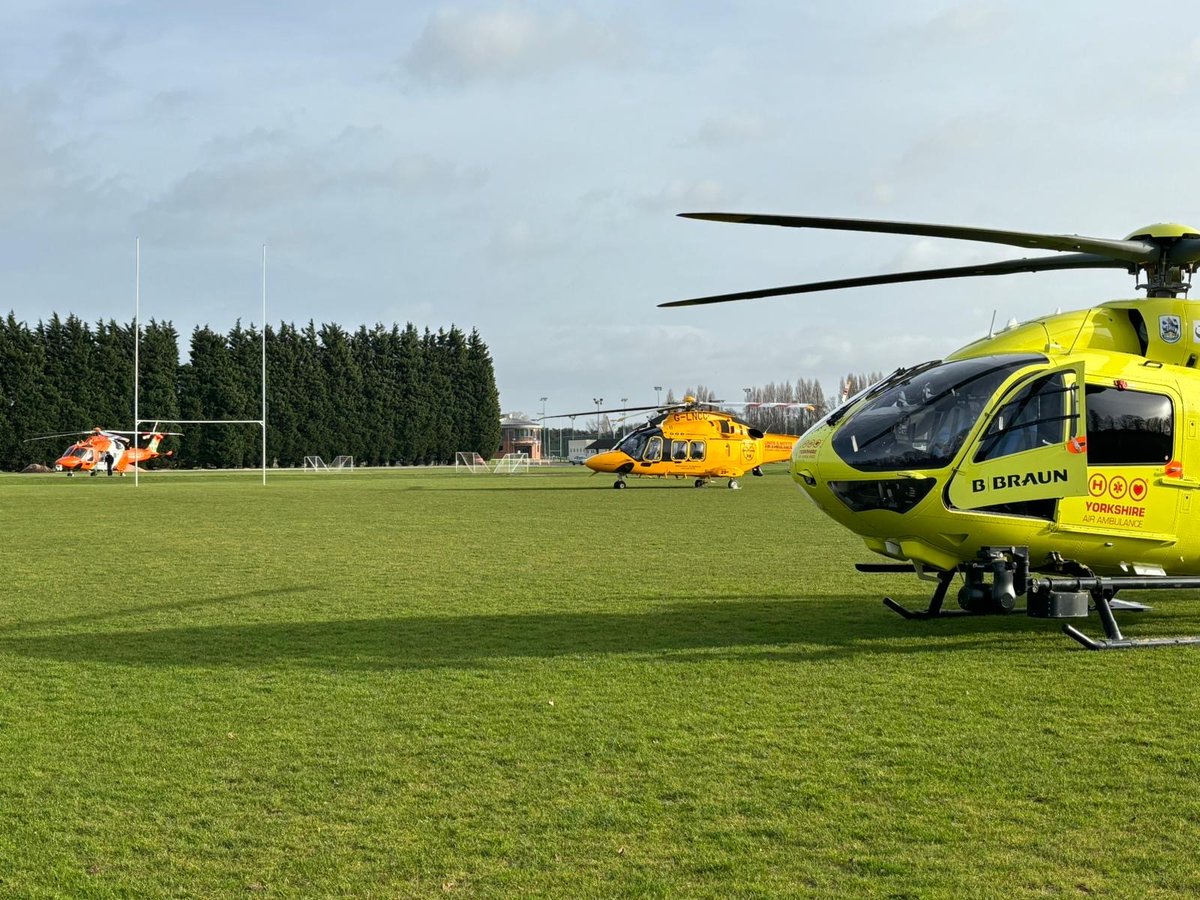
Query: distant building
point(583, 448)
point(519, 434)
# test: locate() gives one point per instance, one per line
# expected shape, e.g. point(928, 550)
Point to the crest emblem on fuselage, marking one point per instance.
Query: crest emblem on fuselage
point(1170, 329)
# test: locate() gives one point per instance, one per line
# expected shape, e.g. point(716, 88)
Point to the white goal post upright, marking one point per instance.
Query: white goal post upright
point(137, 340)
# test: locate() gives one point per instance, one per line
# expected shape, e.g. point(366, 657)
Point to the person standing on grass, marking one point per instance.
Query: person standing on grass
point(108, 462)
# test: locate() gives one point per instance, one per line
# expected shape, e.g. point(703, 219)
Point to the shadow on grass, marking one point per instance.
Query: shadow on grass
point(783, 628)
point(167, 606)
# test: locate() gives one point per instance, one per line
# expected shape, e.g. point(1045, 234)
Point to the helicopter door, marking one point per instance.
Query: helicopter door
point(1032, 450)
point(1132, 489)
point(653, 452)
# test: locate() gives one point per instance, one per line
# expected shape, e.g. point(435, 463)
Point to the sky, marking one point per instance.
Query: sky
point(517, 167)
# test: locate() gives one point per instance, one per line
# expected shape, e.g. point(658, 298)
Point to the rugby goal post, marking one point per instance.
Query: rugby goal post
point(138, 419)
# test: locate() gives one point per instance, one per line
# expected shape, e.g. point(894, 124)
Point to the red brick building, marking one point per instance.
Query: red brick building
point(519, 434)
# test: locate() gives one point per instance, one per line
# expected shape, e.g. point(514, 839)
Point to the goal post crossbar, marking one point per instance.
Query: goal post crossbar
point(156, 422)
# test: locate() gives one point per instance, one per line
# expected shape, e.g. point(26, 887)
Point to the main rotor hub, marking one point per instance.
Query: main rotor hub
point(1169, 275)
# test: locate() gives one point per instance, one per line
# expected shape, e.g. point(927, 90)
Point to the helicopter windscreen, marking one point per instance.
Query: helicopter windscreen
point(635, 442)
point(922, 421)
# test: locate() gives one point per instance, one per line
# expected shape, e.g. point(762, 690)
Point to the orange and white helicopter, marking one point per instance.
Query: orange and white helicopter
point(88, 454)
point(693, 439)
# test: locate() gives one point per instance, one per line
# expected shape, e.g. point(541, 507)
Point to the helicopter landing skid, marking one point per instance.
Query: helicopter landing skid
point(934, 610)
point(1103, 591)
point(1065, 596)
point(977, 604)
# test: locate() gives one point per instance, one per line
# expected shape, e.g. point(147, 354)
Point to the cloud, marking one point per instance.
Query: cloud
point(686, 195)
point(519, 240)
point(731, 130)
point(510, 43)
point(269, 170)
point(43, 175)
point(26, 165)
point(45, 141)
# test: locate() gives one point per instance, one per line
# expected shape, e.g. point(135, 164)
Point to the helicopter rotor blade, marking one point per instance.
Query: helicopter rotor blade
point(143, 433)
point(617, 409)
point(1132, 251)
point(1049, 263)
point(61, 434)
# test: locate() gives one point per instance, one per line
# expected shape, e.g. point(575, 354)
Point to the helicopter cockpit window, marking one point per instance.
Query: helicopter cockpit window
point(1035, 416)
point(84, 453)
point(634, 443)
point(1128, 427)
point(698, 449)
point(653, 451)
point(920, 421)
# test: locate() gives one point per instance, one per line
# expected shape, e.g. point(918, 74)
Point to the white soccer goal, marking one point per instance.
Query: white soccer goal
point(317, 464)
point(471, 462)
point(512, 464)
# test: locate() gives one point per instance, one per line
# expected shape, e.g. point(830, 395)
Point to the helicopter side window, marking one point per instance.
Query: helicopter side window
point(1128, 427)
point(698, 449)
point(1033, 417)
point(653, 450)
point(679, 450)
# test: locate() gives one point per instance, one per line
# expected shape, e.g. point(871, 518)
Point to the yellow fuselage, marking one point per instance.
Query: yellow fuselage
point(1109, 483)
point(699, 444)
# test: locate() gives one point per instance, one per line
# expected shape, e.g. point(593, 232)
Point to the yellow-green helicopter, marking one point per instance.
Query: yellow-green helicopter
point(1055, 461)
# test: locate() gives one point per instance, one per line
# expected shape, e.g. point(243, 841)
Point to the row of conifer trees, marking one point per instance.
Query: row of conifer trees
point(382, 395)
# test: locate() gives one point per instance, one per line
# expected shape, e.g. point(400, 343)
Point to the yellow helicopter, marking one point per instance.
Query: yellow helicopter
point(693, 439)
point(1056, 460)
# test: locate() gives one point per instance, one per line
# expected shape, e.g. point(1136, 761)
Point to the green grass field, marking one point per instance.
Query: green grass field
point(401, 684)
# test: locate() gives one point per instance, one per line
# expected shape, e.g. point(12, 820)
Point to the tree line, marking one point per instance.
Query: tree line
point(382, 395)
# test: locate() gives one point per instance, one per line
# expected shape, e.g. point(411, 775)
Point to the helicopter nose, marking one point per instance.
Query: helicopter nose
point(603, 462)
